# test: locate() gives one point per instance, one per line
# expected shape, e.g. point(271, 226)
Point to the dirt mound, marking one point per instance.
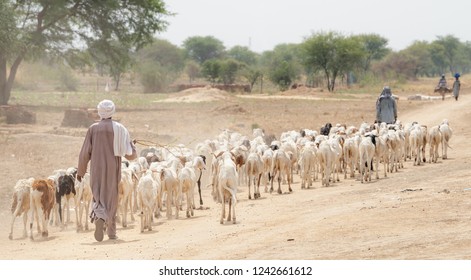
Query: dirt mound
point(17, 115)
point(79, 117)
point(206, 94)
point(303, 90)
point(231, 109)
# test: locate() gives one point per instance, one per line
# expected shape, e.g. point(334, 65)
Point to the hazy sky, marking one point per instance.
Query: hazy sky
point(263, 24)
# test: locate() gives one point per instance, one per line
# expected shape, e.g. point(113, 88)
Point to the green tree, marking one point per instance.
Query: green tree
point(112, 58)
point(201, 49)
point(332, 53)
point(229, 71)
point(192, 70)
point(56, 27)
point(243, 55)
point(251, 74)
point(374, 47)
point(464, 58)
point(282, 65)
point(211, 70)
point(397, 65)
point(419, 53)
point(438, 56)
point(450, 46)
point(163, 58)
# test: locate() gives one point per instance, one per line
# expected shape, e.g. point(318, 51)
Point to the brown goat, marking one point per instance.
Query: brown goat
point(42, 202)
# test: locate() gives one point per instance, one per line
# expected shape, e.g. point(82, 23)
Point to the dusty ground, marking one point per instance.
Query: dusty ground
point(418, 213)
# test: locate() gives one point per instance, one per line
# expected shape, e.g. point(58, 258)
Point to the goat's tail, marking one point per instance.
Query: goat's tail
point(232, 192)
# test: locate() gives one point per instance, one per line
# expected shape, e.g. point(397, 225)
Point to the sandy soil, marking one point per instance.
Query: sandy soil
point(421, 212)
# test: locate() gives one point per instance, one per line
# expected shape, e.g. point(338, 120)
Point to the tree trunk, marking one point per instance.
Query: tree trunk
point(327, 76)
point(3, 81)
point(6, 84)
point(117, 79)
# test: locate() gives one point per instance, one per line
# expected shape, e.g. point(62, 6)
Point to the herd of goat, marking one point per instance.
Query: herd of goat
point(168, 177)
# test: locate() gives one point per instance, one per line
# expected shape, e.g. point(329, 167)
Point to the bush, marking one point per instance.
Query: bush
point(154, 78)
point(67, 80)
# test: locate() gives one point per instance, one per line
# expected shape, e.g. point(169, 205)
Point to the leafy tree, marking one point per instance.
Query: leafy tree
point(251, 74)
point(221, 70)
point(229, 70)
point(332, 53)
point(419, 53)
point(163, 58)
point(152, 76)
point(398, 65)
point(243, 54)
point(282, 65)
point(450, 46)
point(110, 57)
point(463, 59)
point(56, 27)
point(374, 47)
point(192, 69)
point(201, 49)
point(211, 70)
point(438, 56)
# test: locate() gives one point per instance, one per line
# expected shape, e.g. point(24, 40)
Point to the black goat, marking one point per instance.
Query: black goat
point(325, 130)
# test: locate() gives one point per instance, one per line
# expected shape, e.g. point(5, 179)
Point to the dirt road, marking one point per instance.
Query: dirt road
point(421, 212)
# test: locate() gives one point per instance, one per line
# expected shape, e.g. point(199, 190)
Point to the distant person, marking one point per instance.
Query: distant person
point(105, 143)
point(442, 82)
point(456, 86)
point(386, 108)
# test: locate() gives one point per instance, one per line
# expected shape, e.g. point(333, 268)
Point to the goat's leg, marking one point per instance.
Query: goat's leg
point(257, 195)
point(279, 183)
point(25, 222)
point(10, 236)
point(199, 187)
point(233, 199)
point(250, 181)
point(86, 206)
point(229, 214)
point(223, 212)
point(289, 184)
point(169, 203)
point(272, 179)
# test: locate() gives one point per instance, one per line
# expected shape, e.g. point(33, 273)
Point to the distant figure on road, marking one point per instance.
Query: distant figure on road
point(386, 109)
point(442, 83)
point(456, 86)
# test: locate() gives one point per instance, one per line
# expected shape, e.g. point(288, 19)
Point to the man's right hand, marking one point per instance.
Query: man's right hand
point(79, 178)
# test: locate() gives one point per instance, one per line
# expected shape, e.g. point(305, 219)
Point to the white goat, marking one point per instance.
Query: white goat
point(325, 156)
point(20, 203)
point(281, 166)
point(83, 199)
point(170, 185)
point(187, 180)
point(367, 152)
point(447, 132)
point(307, 163)
point(267, 158)
point(148, 189)
point(225, 185)
point(351, 155)
point(434, 139)
point(254, 169)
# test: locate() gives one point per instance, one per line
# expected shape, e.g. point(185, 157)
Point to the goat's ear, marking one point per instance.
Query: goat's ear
point(218, 155)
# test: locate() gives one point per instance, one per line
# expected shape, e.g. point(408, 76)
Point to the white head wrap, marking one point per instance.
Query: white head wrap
point(106, 109)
